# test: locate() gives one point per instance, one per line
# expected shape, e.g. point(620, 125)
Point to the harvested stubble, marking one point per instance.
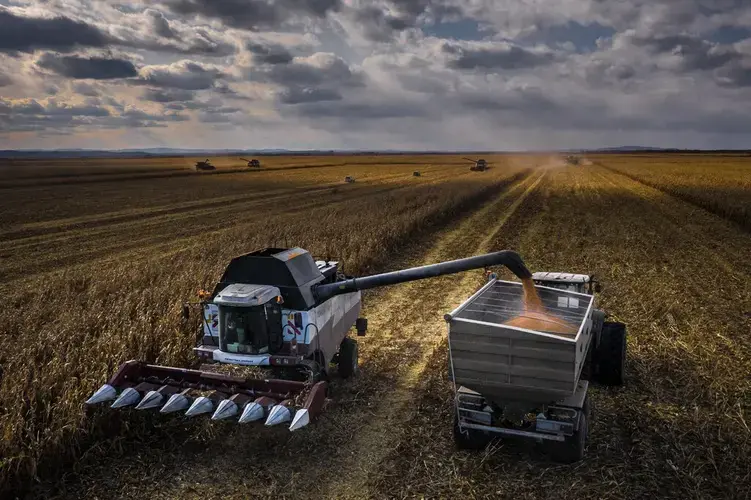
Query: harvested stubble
point(679, 428)
point(71, 329)
point(721, 185)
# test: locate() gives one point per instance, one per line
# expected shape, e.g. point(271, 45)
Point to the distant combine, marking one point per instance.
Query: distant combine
point(252, 163)
point(479, 165)
point(203, 165)
point(572, 160)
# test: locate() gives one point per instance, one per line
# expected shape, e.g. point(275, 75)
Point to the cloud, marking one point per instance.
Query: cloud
point(494, 55)
point(53, 115)
point(163, 96)
point(159, 24)
point(486, 73)
point(382, 21)
point(27, 34)
point(95, 68)
point(253, 14)
point(298, 95)
point(183, 75)
point(269, 53)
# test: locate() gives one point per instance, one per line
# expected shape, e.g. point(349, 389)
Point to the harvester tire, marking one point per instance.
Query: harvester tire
point(572, 449)
point(469, 439)
point(348, 358)
point(611, 354)
point(312, 371)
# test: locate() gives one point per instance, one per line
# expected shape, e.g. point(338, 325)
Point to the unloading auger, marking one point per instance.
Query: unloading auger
point(278, 309)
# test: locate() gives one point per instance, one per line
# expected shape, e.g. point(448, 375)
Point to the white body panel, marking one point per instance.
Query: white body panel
point(318, 320)
point(243, 295)
point(241, 359)
point(211, 320)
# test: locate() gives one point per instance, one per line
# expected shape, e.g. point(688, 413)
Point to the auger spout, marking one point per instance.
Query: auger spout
point(507, 258)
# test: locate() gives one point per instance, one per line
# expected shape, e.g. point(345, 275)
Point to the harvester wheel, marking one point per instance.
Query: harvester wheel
point(572, 449)
point(469, 439)
point(348, 358)
point(611, 354)
point(312, 370)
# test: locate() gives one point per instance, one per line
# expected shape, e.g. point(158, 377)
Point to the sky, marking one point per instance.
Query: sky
point(375, 74)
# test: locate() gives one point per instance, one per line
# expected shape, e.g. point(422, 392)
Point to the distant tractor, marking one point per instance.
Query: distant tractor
point(415, 174)
point(252, 163)
point(204, 165)
point(349, 179)
point(479, 165)
point(572, 160)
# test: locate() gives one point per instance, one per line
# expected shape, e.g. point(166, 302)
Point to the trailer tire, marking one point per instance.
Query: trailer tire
point(468, 439)
point(571, 450)
point(611, 354)
point(348, 358)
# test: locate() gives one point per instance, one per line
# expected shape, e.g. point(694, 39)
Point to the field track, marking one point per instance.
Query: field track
point(675, 273)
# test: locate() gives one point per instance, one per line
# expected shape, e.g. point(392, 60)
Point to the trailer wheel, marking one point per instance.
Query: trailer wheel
point(611, 354)
point(571, 450)
point(468, 439)
point(348, 358)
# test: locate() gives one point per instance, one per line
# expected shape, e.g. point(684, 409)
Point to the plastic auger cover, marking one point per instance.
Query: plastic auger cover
point(222, 397)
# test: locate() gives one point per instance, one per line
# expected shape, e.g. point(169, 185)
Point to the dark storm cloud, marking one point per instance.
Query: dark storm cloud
point(269, 54)
point(253, 14)
point(498, 55)
point(95, 68)
point(27, 34)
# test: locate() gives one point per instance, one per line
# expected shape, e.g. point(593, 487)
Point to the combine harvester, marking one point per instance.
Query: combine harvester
point(479, 165)
point(252, 163)
point(281, 310)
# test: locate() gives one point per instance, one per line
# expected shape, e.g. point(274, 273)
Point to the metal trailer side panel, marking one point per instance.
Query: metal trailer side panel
point(506, 364)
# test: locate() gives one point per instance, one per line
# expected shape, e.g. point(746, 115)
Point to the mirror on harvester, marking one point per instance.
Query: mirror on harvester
point(186, 312)
point(598, 287)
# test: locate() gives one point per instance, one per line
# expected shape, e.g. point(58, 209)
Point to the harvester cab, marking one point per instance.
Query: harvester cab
point(263, 313)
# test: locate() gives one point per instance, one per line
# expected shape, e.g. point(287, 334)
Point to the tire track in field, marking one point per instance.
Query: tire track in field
point(414, 310)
